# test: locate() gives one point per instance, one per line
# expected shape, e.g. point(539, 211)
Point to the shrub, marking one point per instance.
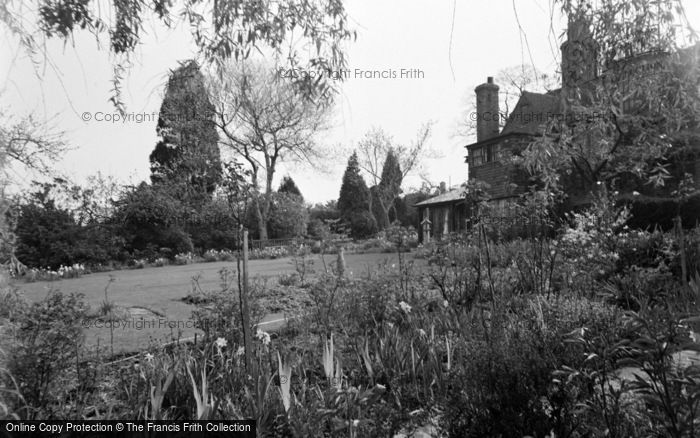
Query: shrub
point(288, 216)
point(47, 338)
point(509, 366)
point(288, 279)
point(184, 259)
point(362, 225)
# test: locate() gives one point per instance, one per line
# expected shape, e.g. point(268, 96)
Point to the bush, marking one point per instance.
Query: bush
point(288, 216)
point(47, 337)
point(362, 225)
point(184, 259)
point(288, 279)
point(509, 368)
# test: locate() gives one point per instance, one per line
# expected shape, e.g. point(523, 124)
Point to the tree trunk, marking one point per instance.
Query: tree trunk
point(260, 219)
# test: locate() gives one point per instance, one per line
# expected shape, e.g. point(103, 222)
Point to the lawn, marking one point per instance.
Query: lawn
point(153, 297)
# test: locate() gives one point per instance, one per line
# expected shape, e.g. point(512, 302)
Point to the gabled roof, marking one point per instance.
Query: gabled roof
point(444, 198)
point(532, 111)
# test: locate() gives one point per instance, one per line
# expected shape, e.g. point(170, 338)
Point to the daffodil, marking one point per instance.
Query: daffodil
point(264, 337)
point(220, 343)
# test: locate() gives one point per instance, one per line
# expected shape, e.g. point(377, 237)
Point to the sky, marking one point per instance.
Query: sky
point(454, 44)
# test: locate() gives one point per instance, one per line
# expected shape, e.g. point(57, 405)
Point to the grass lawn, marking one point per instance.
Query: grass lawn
point(153, 297)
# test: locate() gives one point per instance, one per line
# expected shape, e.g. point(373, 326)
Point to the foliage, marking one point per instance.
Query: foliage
point(48, 235)
point(288, 216)
point(641, 112)
point(264, 121)
point(289, 186)
point(214, 226)
point(354, 202)
point(47, 344)
point(149, 218)
point(187, 155)
point(221, 32)
point(354, 194)
point(362, 224)
point(406, 211)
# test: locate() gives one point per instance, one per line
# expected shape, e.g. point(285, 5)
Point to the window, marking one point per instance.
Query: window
point(477, 156)
point(483, 155)
point(490, 153)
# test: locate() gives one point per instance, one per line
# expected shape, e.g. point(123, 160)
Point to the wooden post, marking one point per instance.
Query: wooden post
point(245, 311)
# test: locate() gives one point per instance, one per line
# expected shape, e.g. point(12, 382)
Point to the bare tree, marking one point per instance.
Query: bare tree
point(378, 155)
point(263, 120)
point(33, 146)
point(29, 143)
point(376, 144)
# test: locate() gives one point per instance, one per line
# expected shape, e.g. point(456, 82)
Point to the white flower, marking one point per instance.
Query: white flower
point(221, 343)
point(149, 357)
point(240, 351)
point(263, 336)
point(635, 193)
point(405, 307)
point(445, 303)
point(422, 333)
point(355, 423)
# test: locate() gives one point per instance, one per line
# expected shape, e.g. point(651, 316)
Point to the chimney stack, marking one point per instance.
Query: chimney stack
point(578, 57)
point(487, 110)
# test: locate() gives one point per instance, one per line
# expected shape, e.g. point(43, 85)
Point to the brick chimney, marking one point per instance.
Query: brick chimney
point(578, 56)
point(487, 110)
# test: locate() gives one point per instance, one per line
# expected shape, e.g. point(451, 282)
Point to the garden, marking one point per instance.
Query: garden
point(567, 304)
point(584, 329)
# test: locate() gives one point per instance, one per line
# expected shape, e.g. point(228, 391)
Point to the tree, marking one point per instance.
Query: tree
point(354, 194)
point(221, 30)
point(33, 146)
point(50, 233)
point(263, 120)
point(288, 186)
point(288, 217)
point(187, 156)
point(376, 144)
point(151, 221)
point(353, 202)
point(636, 120)
point(29, 143)
point(389, 189)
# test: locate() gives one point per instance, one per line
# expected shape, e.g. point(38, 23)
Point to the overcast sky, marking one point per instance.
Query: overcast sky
point(455, 44)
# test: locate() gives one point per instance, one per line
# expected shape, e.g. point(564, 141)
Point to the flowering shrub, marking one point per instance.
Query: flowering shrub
point(44, 274)
point(591, 244)
point(138, 263)
point(160, 261)
point(184, 259)
point(214, 255)
point(270, 252)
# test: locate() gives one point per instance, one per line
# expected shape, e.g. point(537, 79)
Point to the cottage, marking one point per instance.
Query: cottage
point(489, 159)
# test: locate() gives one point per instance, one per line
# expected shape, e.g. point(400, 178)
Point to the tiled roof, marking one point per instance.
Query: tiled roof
point(451, 196)
point(531, 112)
